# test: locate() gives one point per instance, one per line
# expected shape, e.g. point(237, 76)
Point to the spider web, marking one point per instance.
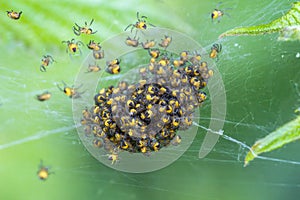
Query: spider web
point(262, 91)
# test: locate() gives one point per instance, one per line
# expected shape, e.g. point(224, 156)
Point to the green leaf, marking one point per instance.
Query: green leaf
point(282, 24)
point(290, 33)
point(285, 134)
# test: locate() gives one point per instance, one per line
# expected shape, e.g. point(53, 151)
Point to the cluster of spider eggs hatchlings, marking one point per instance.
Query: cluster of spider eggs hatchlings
point(145, 116)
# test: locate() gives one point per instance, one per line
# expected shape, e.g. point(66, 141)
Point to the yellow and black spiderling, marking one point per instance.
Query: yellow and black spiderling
point(215, 50)
point(217, 14)
point(133, 42)
point(113, 69)
point(114, 157)
point(14, 15)
point(165, 42)
point(113, 62)
point(71, 92)
point(184, 56)
point(154, 53)
point(178, 63)
point(140, 24)
point(99, 54)
point(97, 143)
point(93, 68)
point(177, 140)
point(46, 61)
point(43, 172)
point(113, 66)
point(195, 58)
point(44, 96)
point(94, 45)
point(73, 46)
point(145, 115)
point(78, 30)
point(148, 44)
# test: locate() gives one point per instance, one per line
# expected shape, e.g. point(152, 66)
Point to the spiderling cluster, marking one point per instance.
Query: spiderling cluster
point(145, 116)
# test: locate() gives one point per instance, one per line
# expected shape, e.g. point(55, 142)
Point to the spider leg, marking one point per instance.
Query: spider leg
point(91, 22)
point(78, 27)
point(218, 5)
point(226, 9)
point(80, 43)
point(76, 31)
point(226, 14)
point(82, 92)
point(151, 25)
point(51, 58)
point(60, 87)
point(42, 68)
point(41, 164)
point(78, 86)
point(128, 27)
point(141, 32)
point(71, 55)
point(132, 29)
point(75, 96)
point(135, 33)
point(65, 85)
point(78, 94)
point(51, 172)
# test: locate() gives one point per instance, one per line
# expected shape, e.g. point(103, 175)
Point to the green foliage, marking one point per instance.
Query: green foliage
point(282, 25)
point(285, 134)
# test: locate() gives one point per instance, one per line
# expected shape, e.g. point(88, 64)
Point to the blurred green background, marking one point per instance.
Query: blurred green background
point(261, 78)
